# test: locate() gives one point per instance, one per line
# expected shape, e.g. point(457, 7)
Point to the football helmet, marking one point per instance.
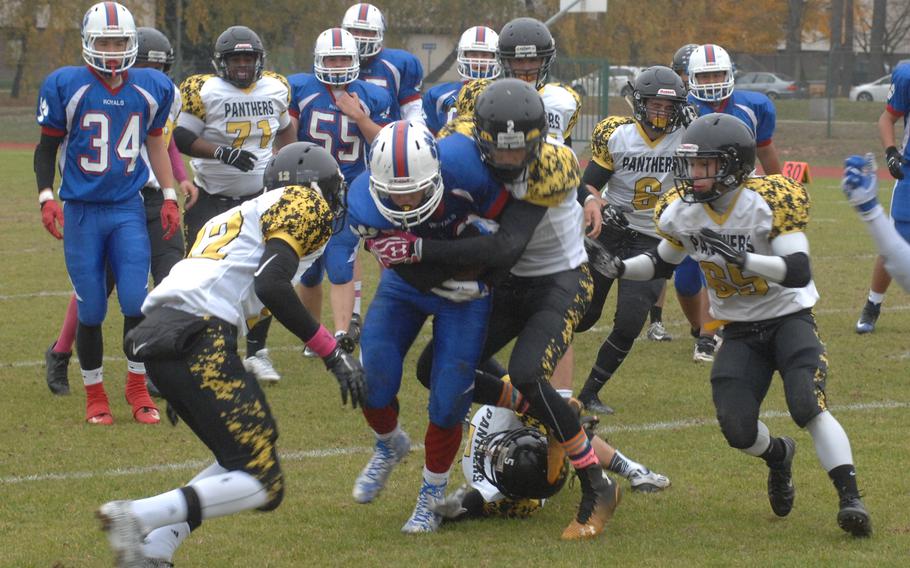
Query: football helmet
point(237, 40)
point(722, 137)
point(154, 49)
point(405, 176)
point(658, 82)
point(509, 115)
point(681, 59)
point(710, 58)
point(483, 40)
point(336, 42)
point(309, 165)
point(109, 20)
point(526, 38)
point(519, 464)
point(363, 19)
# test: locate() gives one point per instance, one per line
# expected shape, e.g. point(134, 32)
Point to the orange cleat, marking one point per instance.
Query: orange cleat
point(137, 395)
point(97, 408)
point(599, 497)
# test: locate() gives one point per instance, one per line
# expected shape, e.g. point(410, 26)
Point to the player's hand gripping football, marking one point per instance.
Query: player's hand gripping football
point(860, 186)
point(51, 216)
point(237, 157)
point(716, 242)
point(349, 373)
point(399, 247)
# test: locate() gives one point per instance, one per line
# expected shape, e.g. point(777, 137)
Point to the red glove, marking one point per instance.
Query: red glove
point(398, 247)
point(170, 218)
point(51, 214)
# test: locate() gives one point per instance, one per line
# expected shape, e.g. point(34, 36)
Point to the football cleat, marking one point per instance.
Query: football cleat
point(97, 408)
point(657, 332)
point(781, 491)
point(425, 519)
point(156, 563)
point(593, 404)
point(386, 455)
point(309, 353)
point(599, 497)
point(123, 533)
point(260, 365)
point(144, 410)
point(345, 341)
point(56, 365)
point(853, 516)
point(647, 481)
point(704, 349)
point(868, 317)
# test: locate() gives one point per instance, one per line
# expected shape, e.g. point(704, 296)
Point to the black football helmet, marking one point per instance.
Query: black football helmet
point(308, 164)
point(658, 82)
point(714, 136)
point(236, 40)
point(526, 38)
point(154, 49)
point(509, 115)
point(681, 59)
point(518, 463)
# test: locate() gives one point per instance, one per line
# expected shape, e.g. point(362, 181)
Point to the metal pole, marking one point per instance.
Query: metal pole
point(561, 13)
point(829, 90)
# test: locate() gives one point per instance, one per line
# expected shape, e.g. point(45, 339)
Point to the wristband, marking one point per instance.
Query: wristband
point(45, 195)
point(322, 343)
point(589, 198)
point(169, 193)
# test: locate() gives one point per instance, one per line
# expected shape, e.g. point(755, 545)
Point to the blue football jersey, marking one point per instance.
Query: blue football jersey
point(397, 71)
point(899, 101)
point(755, 109)
point(103, 129)
point(321, 121)
point(468, 188)
point(439, 104)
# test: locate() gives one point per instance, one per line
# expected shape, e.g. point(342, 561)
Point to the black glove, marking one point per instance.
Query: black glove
point(717, 243)
point(688, 113)
point(240, 159)
point(894, 161)
point(615, 226)
point(349, 373)
point(602, 260)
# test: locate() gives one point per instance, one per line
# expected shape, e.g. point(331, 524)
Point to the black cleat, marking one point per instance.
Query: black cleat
point(593, 404)
point(868, 317)
point(781, 491)
point(599, 497)
point(853, 516)
point(56, 370)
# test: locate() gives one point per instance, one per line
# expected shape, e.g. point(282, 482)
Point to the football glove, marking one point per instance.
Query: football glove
point(688, 114)
point(860, 186)
point(602, 260)
point(615, 228)
point(170, 218)
point(716, 242)
point(399, 247)
point(462, 290)
point(895, 162)
point(349, 373)
point(451, 507)
point(237, 157)
point(51, 216)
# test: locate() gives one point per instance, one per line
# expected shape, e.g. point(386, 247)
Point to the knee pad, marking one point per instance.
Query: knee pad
point(92, 313)
point(688, 278)
point(313, 275)
point(621, 340)
point(740, 433)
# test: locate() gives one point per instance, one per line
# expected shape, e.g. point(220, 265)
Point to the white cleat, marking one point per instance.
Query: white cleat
point(124, 533)
point(260, 365)
point(425, 519)
point(647, 481)
point(386, 455)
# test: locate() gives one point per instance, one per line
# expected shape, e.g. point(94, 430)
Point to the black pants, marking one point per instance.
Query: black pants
point(165, 253)
point(745, 364)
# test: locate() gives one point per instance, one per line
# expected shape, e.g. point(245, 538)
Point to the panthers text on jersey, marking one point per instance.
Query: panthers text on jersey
point(439, 104)
point(755, 109)
point(104, 129)
point(563, 106)
point(397, 71)
point(761, 209)
point(226, 115)
point(321, 122)
point(642, 168)
point(217, 276)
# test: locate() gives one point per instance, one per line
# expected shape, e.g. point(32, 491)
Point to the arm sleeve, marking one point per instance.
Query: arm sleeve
point(501, 249)
point(659, 262)
point(596, 176)
point(45, 156)
point(184, 139)
point(273, 286)
point(893, 247)
point(789, 266)
point(176, 161)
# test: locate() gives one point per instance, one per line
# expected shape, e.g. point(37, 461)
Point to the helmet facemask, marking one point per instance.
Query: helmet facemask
point(664, 120)
point(112, 25)
point(241, 75)
point(477, 54)
point(519, 463)
point(508, 154)
point(331, 46)
point(723, 169)
point(366, 23)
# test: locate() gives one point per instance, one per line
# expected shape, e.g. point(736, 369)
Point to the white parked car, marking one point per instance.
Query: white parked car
point(875, 91)
point(620, 77)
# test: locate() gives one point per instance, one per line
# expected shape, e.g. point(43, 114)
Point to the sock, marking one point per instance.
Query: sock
point(229, 493)
point(162, 543)
point(844, 479)
point(161, 510)
point(441, 446)
point(509, 396)
point(565, 393)
point(255, 339)
point(135, 367)
point(876, 298)
point(358, 295)
point(775, 453)
point(436, 478)
point(93, 377)
point(579, 450)
point(67, 335)
point(762, 442)
point(831, 443)
point(89, 345)
point(621, 465)
point(657, 314)
point(383, 421)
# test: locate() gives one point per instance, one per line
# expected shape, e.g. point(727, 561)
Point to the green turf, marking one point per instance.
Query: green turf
point(55, 470)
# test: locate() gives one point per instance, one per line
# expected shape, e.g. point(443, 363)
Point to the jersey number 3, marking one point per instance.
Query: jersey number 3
point(128, 144)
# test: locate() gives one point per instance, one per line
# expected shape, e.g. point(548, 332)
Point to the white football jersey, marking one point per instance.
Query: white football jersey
point(487, 421)
point(167, 133)
point(642, 168)
point(225, 115)
point(563, 105)
point(217, 277)
point(761, 209)
point(558, 240)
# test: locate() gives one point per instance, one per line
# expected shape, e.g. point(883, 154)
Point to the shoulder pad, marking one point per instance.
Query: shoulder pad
point(190, 92)
point(600, 138)
point(663, 202)
point(788, 200)
point(553, 175)
point(458, 125)
point(300, 217)
point(281, 79)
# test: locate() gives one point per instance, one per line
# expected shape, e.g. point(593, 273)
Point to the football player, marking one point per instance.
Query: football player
point(155, 52)
point(680, 63)
point(420, 189)
point(231, 123)
point(476, 58)
point(104, 115)
point(334, 108)
point(898, 162)
point(395, 70)
point(548, 286)
point(631, 167)
point(244, 262)
point(747, 233)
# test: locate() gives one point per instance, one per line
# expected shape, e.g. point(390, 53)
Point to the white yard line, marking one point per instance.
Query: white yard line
point(299, 455)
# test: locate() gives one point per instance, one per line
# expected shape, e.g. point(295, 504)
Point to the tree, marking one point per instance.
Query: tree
point(795, 11)
point(877, 37)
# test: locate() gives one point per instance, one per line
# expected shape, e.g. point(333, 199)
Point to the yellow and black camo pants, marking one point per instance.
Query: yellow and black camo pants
point(224, 406)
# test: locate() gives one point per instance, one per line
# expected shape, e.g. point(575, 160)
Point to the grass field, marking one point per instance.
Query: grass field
point(55, 470)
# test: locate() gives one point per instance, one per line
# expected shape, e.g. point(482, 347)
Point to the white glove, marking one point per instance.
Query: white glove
point(860, 186)
point(450, 507)
point(462, 290)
